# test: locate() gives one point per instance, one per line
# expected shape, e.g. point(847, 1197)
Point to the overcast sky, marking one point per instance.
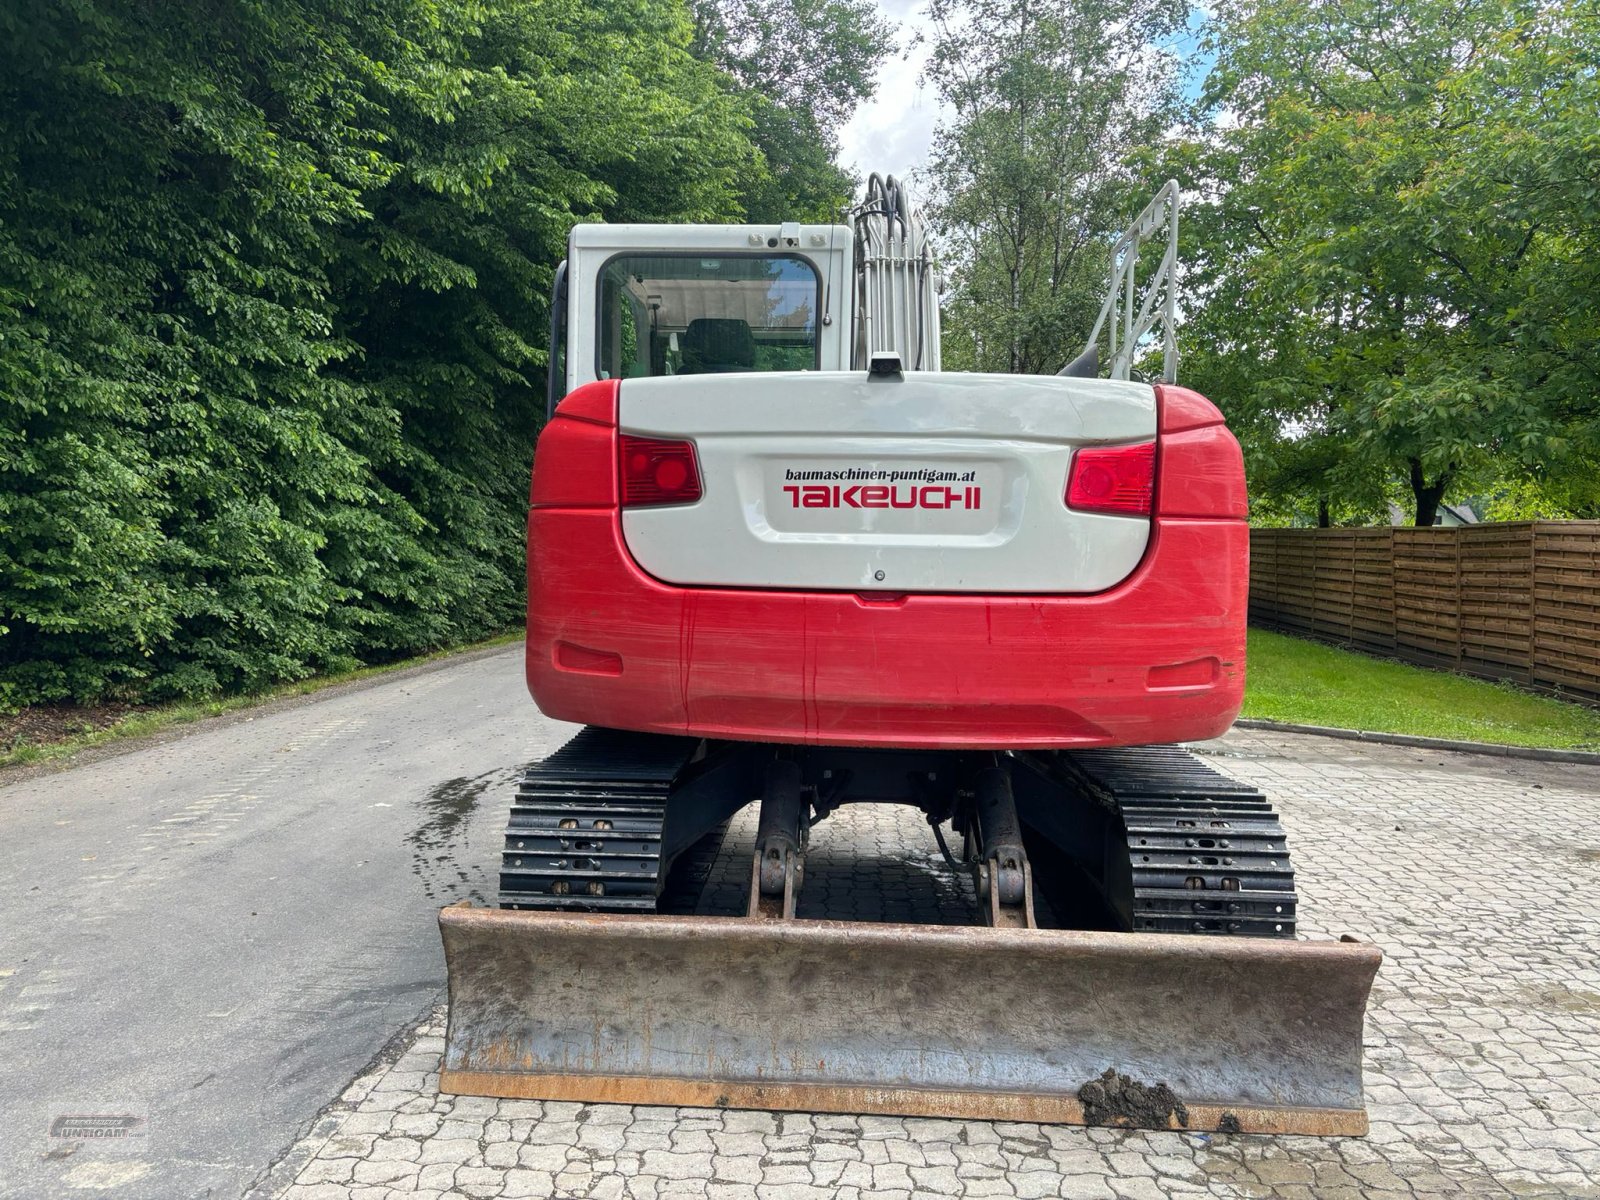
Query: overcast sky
point(892, 133)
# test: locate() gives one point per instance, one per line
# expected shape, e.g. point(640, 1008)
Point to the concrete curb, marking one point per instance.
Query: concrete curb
point(1589, 757)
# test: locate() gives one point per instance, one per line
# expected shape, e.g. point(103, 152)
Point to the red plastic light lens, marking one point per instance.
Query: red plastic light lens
point(1113, 479)
point(654, 471)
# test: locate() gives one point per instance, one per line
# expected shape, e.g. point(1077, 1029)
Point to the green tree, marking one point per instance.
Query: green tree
point(1029, 182)
point(1395, 253)
point(801, 66)
point(447, 282)
point(272, 282)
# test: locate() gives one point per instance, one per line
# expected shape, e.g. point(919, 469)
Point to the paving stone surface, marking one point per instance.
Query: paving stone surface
point(1479, 877)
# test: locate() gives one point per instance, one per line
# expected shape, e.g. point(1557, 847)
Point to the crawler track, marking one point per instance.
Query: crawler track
point(586, 824)
point(1208, 853)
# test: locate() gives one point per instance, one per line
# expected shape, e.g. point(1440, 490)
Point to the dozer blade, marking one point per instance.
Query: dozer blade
point(1252, 1035)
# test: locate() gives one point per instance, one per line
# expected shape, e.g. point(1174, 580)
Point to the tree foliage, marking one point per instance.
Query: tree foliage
point(802, 67)
point(1398, 252)
point(272, 302)
point(1029, 172)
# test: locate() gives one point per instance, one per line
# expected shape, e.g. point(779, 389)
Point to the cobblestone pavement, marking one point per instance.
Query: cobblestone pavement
point(1479, 877)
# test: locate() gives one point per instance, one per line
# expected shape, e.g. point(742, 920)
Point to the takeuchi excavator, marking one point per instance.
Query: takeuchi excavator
point(776, 556)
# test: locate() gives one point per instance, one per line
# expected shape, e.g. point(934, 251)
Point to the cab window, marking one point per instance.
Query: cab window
point(679, 314)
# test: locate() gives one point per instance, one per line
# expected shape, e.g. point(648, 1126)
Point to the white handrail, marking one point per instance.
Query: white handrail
point(1157, 302)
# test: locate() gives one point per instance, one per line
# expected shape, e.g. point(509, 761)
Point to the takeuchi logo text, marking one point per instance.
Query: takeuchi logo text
point(884, 496)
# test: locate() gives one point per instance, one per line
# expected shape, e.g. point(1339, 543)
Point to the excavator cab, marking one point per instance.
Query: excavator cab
point(647, 301)
point(776, 556)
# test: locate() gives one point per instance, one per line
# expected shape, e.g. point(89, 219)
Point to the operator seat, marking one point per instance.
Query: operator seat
point(717, 346)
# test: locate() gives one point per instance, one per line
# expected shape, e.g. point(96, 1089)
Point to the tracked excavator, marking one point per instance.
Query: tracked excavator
point(777, 557)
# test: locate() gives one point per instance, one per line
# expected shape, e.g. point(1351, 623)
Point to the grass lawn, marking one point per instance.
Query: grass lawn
point(1291, 679)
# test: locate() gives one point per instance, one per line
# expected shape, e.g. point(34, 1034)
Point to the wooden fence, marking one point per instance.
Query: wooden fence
point(1519, 602)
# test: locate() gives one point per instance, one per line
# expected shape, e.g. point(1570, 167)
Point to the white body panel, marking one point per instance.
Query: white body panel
point(828, 248)
point(927, 483)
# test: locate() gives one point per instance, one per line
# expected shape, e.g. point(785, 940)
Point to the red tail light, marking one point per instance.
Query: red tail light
point(1113, 479)
point(657, 472)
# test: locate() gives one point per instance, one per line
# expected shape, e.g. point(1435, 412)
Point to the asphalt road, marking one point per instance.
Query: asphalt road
point(216, 933)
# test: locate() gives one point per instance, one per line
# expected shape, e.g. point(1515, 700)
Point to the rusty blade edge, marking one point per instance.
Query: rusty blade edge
point(902, 1102)
point(466, 919)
